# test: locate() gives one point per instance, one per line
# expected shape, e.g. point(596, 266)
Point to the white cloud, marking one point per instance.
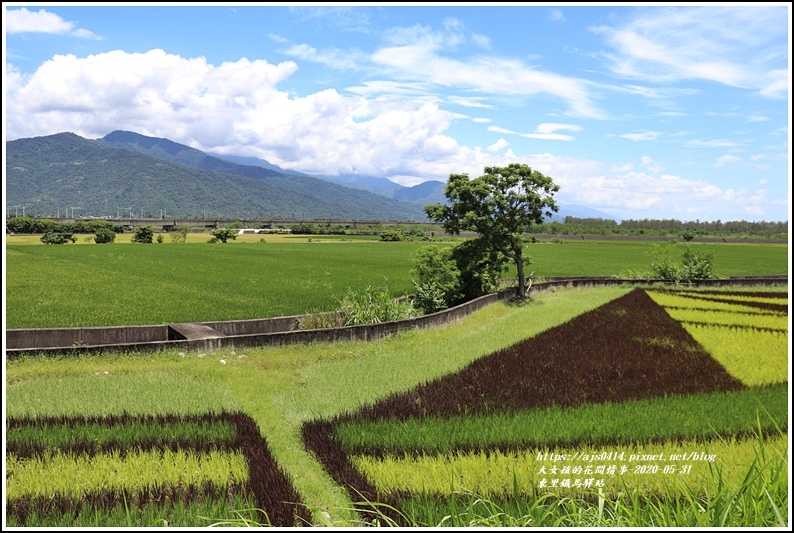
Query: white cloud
point(41, 21)
point(737, 45)
point(644, 136)
point(237, 108)
point(468, 101)
point(757, 118)
point(548, 136)
point(415, 54)
point(556, 15)
point(546, 131)
point(726, 159)
point(498, 146)
point(497, 129)
point(548, 127)
point(330, 57)
point(649, 163)
point(712, 143)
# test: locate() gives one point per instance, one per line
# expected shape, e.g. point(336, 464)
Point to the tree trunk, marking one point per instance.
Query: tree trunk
point(520, 268)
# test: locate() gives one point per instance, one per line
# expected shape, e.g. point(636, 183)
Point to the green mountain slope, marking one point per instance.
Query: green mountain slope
point(149, 176)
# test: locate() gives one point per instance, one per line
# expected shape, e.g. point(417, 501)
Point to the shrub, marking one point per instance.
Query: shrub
point(143, 235)
point(480, 267)
point(104, 236)
point(436, 279)
point(223, 235)
point(692, 266)
point(374, 305)
point(696, 265)
point(392, 236)
point(180, 235)
point(58, 238)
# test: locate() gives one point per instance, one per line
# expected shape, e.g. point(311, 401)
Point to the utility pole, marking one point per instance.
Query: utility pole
point(67, 214)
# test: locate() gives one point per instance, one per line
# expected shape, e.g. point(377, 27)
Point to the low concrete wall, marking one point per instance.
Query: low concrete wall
point(68, 337)
point(284, 330)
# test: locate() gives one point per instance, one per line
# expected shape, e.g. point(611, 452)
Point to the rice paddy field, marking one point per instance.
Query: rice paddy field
point(616, 406)
point(600, 407)
point(639, 395)
point(259, 276)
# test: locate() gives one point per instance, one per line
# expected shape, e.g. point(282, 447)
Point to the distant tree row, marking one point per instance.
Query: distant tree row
point(570, 226)
point(663, 227)
point(34, 225)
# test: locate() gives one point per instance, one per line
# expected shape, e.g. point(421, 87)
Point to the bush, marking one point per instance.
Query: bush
point(392, 236)
point(58, 238)
point(143, 235)
point(692, 266)
point(180, 235)
point(104, 236)
point(430, 298)
point(223, 235)
point(480, 267)
point(696, 265)
point(436, 279)
point(374, 305)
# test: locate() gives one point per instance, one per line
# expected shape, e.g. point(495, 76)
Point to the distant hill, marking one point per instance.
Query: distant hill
point(149, 176)
point(428, 192)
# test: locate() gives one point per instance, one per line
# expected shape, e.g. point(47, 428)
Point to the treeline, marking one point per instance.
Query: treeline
point(44, 225)
point(570, 226)
point(664, 227)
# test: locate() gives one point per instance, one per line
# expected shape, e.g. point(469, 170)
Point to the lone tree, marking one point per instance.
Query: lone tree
point(223, 235)
point(499, 206)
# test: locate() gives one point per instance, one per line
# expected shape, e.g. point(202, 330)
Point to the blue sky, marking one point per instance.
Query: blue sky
point(668, 111)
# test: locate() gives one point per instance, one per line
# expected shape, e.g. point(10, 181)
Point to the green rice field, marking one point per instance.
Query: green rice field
point(582, 407)
point(126, 284)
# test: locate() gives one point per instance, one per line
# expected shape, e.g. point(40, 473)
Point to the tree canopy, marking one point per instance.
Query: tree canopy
point(499, 206)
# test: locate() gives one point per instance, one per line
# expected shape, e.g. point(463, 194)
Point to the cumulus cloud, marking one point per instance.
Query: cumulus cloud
point(649, 163)
point(237, 108)
point(663, 196)
point(41, 21)
point(498, 146)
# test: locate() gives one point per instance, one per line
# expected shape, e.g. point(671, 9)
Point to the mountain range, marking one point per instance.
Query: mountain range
point(125, 173)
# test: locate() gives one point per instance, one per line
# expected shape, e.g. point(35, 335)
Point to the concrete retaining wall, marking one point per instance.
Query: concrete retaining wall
point(279, 331)
point(67, 337)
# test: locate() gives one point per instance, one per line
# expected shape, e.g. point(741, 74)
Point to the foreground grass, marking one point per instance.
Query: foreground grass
point(283, 387)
